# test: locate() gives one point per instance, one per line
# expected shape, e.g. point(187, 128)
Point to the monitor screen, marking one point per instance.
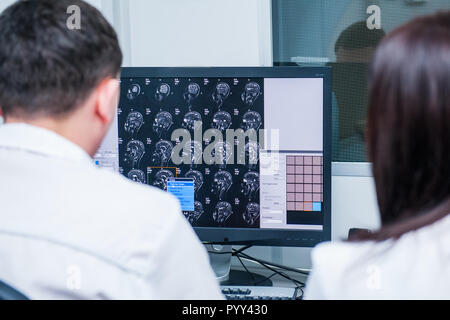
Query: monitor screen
point(245, 150)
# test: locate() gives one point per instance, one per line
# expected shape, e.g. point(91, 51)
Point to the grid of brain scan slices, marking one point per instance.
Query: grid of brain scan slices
point(226, 194)
point(304, 183)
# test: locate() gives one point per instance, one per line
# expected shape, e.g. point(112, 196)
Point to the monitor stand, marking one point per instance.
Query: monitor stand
point(220, 258)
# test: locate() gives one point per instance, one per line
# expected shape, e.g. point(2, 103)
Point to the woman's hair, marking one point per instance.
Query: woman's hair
point(408, 127)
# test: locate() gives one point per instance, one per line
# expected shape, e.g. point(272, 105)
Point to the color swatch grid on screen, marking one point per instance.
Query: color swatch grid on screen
point(304, 183)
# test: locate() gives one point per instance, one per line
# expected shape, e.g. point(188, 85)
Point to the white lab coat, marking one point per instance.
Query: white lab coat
point(69, 230)
point(416, 266)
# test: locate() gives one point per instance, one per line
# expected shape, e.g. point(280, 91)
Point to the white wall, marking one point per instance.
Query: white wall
point(192, 32)
point(5, 3)
point(199, 33)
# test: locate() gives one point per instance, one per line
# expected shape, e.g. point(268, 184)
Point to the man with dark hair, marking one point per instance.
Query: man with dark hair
point(354, 48)
point(357, 43)
point(69, 229)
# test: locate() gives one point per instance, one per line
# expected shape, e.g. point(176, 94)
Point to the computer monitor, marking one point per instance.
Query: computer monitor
point(246, 150)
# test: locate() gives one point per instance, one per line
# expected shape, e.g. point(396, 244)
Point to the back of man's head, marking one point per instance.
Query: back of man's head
point(357, 43)
point(48, 69)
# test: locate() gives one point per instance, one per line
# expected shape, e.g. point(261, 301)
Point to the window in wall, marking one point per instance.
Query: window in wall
point(342, 34)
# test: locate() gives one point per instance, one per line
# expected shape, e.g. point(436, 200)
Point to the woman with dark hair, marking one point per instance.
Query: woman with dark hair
point(408, 140)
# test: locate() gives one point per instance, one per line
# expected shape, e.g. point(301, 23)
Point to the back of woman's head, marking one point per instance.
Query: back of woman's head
point(408, 129)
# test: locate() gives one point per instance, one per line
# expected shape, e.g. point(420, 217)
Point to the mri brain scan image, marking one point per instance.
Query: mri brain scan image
point(197, 177)
point(226, 173)
point(134, 122)
point(194, 152)
point(136, 175)
point(192, 121)
point(223, 180)
point(163, 122)
point(252, 154)
point(134, 152)
point(193, 216)
point(192, 93)
point(162, 153)
point(250, 184)
point(222, 153)
point(251, 213)
point(222, 212)
point(162, 92)
point(133, 91)
point(251, 93)
point(251, 120)
point(221, 93)
point(161, 177)
point(221, 121)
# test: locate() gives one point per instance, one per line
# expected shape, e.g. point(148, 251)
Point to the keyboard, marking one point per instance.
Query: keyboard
point(259, 293)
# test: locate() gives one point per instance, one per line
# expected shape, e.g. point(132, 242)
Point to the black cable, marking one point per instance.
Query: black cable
point(283, 267)
point(233, 252)
point(298, 283)
point(278, 265)
point(241, 249)
point(266, 278)
point(275, 272)
point(251, 274)
point(268, 265)
point(218, 252)
point(272, 269)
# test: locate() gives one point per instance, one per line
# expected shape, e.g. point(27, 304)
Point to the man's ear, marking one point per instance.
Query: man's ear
point(107, 99)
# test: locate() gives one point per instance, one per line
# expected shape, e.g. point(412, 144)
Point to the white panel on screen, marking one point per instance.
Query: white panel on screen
point(295, 107)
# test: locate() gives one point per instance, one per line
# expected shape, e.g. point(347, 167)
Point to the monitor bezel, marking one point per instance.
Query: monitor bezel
point(261, 237)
